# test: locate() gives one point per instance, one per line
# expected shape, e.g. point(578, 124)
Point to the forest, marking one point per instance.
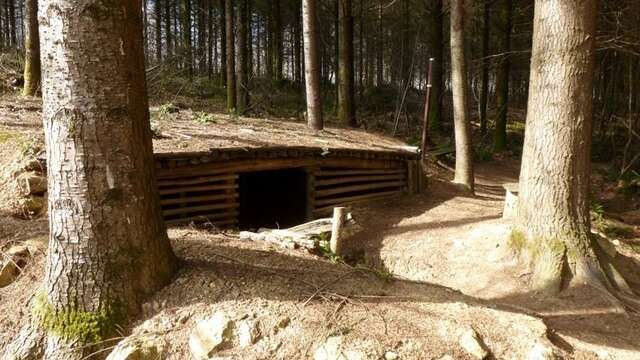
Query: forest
point(327, 180)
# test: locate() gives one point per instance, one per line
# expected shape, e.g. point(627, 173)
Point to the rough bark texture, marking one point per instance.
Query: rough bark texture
point(464, 151)
point(436, 44)
point(312, 64)
point(242, 58)
point(185, 12)
point(346, 91)
point(231, 58)
point(158, 29)
point(484, 81)
point(108, 247)
point(553, 211)
point(223, 41)
point(32, 50)
point(503, 21)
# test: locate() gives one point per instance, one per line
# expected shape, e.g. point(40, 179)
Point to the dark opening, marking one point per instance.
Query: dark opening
point(273, 199)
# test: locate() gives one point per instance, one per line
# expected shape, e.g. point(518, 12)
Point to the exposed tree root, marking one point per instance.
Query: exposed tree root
point(600, 273)
point(29, 345)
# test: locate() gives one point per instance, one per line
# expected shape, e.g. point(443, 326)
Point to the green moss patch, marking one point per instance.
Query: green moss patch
point(517, 240)
point(74, 324)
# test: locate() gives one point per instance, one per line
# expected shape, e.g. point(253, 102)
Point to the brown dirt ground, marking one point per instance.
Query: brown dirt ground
point(447, 251)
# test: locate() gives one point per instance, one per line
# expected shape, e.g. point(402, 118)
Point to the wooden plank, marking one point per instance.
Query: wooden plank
point(192, 209)
point(196, 181)
point(345, 199)
point(346, 189)
point(327, 173)
point(275, 164)
point(197, 189)
point(195, 199)
point(355, 179)
point(352, 200)
point(310, 192)
point(412, 186)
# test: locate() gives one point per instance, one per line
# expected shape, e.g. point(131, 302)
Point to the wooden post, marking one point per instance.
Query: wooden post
point(425, 126)
point(339, 218)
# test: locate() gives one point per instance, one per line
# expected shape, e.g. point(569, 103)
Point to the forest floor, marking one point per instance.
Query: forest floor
point(432, 266)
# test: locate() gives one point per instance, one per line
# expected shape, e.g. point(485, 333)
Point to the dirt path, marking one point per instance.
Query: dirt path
point(444, 237)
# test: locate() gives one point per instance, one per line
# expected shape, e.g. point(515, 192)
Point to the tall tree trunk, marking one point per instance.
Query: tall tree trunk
point(158, 28)
point(553, 212)
point(462, 125)
point(502, 74)
point(108, 245)
point(12, 22)
point(297, 39)
point(231, 64)
point(242, 57)
point(223, 41)
point(186, 36)
point(436, 42)
point(346, 92)
point(211, 40)
point(276, 43)
point(311, 64)
point(167, 28)
point(32, 50)
point(380, 47)
point(484, 81)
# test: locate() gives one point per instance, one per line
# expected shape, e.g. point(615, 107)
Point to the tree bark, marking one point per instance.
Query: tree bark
point(167, 28)
point(242, 58)
point(158, 27)
point(502, 74)
point(223, 41)
point(380, 47)
point(484, 81)
point(231, 65)
point(553, 211)
point(436, 21)
point(346, 91)
point(32, 50)
point(186, 36)
point(312, 64)
point(108, 246)
point(464, 152)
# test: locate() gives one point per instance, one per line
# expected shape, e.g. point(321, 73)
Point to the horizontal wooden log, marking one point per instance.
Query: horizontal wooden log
point(179, 190)
point(357, 179)
point(275, 164)
point(328, 173)
point(196, 199)
point(192, 209)
point(203, 218)
point(197, 181)
point(330, 203)
point(353, 188)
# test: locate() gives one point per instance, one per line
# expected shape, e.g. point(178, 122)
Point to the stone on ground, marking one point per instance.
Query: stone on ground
point(8, 273)
point(332, 349)
point(211, 335)
point(248, 333)
point(144, 348)
point(471, 342)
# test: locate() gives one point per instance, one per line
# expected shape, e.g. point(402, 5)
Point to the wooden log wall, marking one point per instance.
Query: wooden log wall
point(345, 186)
point(203, 187)
point(212, 198)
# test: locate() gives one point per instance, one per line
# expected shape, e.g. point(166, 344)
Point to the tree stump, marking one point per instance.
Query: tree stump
point(510, 201)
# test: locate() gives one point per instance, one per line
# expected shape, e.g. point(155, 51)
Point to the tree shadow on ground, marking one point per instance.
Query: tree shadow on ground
point(234, 271)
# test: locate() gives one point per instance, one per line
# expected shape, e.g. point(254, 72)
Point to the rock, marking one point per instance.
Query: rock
point(330, 350)
point(283, 323)
point(8, 273)
point(211, 335)
point(32, 205)
point(144, 348)
point(32, 164)
point(248, 333)
point(542, 350)
point(390, 355)
point(31, 183)
point(471, 342)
